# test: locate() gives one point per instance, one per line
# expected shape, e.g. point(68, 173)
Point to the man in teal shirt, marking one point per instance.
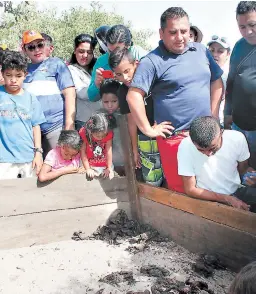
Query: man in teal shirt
point(117, 36)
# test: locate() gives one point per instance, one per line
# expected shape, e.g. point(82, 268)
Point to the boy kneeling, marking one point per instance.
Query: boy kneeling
point(20, 119)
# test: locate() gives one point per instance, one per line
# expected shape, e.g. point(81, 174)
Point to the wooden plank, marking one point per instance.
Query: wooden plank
point(236, 248)
point(130, 168)
point(23, 196)
point(53, 226)
point(219, 213)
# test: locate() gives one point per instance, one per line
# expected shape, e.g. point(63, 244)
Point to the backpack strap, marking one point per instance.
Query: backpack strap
point(245, 59)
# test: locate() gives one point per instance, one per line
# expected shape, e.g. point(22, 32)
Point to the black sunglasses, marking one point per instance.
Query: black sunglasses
point(222, 39)
point(33, 47)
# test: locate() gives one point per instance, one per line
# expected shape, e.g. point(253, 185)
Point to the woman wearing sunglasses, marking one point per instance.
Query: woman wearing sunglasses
point(81, 65)
point(50, 80)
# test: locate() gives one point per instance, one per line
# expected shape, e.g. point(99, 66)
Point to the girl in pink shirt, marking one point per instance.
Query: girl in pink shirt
point(63, 159)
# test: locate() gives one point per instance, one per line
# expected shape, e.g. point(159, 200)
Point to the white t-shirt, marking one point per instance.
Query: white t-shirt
point(217, 173)
point(84, 107)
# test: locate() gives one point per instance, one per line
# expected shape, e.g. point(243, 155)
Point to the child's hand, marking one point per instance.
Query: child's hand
point(37, 162)
point(108, 173)
point(81, 170)
point(69, 169)
point(137, 161)
point(90, 173)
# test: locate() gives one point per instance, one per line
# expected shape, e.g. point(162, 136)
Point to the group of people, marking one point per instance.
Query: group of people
point(191, 123)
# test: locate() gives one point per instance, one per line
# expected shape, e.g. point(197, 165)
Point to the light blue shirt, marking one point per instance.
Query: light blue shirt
point(18, 115)
point(47, 80)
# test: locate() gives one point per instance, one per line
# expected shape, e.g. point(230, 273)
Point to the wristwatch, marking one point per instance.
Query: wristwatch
point(40, 150)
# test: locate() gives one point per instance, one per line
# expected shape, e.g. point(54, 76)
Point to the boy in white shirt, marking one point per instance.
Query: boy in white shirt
point(211, 162)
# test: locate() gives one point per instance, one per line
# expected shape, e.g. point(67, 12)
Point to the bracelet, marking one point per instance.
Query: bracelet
point(40, 150)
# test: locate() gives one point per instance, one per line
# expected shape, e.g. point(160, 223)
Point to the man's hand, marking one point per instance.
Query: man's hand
point(162, 129)
point(99, 78)
point(37, 162)
point(228, 122)
point(251, 180)
point(90, 173)
point(236, 203)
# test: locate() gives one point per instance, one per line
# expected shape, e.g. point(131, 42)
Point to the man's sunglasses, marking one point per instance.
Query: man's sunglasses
point(222, 39)
point(33, 47)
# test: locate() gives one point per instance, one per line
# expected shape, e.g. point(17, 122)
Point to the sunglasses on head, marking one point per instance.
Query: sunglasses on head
point(33, 47)
point(222, 39)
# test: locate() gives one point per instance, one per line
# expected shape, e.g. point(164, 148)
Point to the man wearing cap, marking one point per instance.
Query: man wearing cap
point(220, 49)
point(51, 81)
point(241, 86)
point(185, 83)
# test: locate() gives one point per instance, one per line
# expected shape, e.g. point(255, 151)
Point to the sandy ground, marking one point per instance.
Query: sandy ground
point(76, 267)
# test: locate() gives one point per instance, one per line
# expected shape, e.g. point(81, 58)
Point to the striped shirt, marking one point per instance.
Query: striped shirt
point(47, 80)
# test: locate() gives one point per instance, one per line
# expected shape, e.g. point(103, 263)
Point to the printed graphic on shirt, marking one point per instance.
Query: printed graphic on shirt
point(15, 114)
point(99, 152)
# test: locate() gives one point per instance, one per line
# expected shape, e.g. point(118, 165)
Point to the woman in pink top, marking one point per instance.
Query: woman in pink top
point(63, 159)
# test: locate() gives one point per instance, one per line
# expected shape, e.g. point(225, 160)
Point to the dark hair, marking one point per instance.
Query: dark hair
point(47, 38)
point(100, 122)
point(172, 12)
point(14, 60)
point(100, 34)
point(119, 34)
point(245, 280)
point(244, 7)
point(203, 130)
point(195, 32)
point(71, 139)
point(2, 53)
point(84, 38)
point(116, 56)
point(109, 86)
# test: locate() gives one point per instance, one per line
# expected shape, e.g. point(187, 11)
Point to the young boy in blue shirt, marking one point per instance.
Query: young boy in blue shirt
point(20, 119)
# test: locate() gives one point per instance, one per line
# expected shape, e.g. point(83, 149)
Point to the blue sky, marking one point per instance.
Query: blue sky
point(212, 17)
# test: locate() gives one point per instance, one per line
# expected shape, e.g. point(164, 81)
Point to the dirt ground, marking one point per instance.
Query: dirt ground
point(83, 267)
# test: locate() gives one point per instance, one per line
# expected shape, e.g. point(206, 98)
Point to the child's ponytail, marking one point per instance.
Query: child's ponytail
point(100, 122)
